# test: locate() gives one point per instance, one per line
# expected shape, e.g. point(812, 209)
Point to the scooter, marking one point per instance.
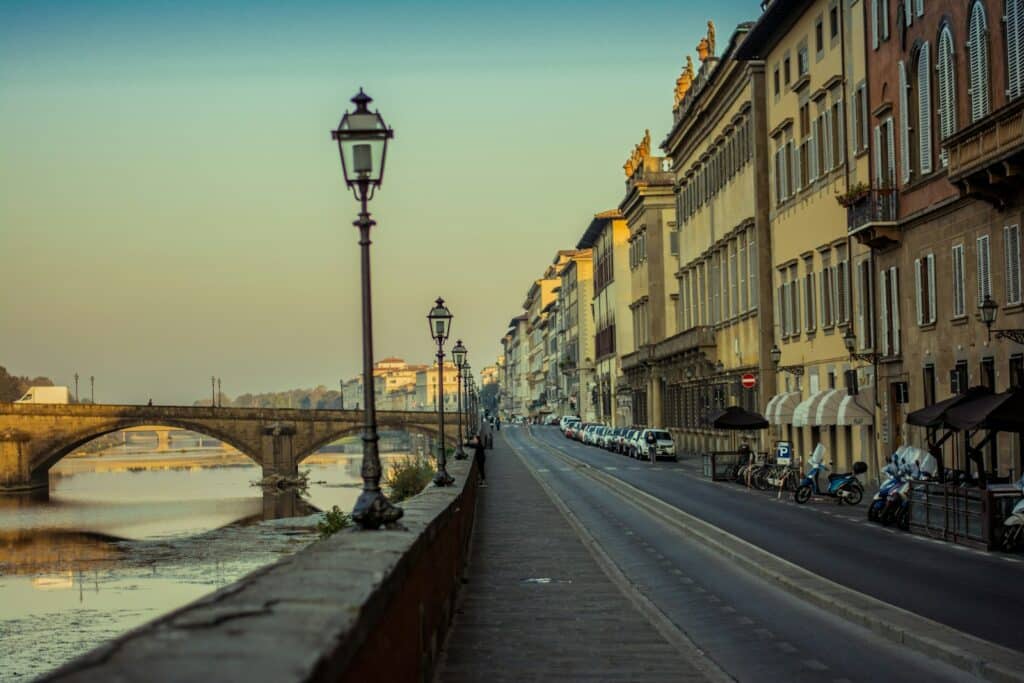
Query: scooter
point(1013, 526)
point(894, 480)
point(914, 464)
point(845, 487)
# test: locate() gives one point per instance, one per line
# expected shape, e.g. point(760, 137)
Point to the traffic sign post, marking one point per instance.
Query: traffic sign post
point(749, 381)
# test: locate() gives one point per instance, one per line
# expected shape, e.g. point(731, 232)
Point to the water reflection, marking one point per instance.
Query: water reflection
point(118, 541)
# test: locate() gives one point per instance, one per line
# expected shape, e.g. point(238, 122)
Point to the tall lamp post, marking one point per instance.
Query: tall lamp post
point(92, 389)
point(440, 319)
point(459, 356)
point(362, 138)
point(220, 395)
point(467, 376)
point(213, 391)
point(341, 394)
point(76, 387)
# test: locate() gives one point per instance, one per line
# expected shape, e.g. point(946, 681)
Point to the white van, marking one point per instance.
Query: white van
point(46, 395)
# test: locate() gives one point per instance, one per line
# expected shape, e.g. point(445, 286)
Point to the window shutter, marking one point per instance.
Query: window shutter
point(959, 301)
point(894, 283)
point(874, 22)
point(904, 124)
point(924, 109)
point(812, 152)
point(1011, 248)
point(890, 143)
point(984, 272)
point(781, 312)
point(809, 301)
point(842, 273)
point(947, 90)
point(884, 300)
point(931, 289)
point(862, 298)
point(1014, 28)
point(918, 293)
point(978, 62)
point(878, 154)
point(919, 6)
point(827, 141)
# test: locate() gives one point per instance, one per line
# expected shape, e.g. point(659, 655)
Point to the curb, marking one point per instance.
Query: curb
point(980, 658)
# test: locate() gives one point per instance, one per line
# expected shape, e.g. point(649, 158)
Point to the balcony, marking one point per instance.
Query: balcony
point(871, 216)
point(986, 158)
point(693, 339)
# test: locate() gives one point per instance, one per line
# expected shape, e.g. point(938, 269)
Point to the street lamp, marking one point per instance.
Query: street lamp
point(467, 377)
point(362, 138)
point(220, 395)
point(989, 310)
point(850, 342)
point(459, 356)
point(775, 354)
point(440, 319)
point(213, 391)
point(76, 387)
point(92, 389)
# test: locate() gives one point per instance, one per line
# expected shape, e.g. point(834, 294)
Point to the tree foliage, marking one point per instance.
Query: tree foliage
point(13, 387)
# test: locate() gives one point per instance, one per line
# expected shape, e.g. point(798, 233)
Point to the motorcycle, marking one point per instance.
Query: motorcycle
point(894, 480)
point(844, 487)
point(892, 502)
point(1013, 526)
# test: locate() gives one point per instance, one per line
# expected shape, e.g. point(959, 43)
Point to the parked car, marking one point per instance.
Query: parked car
point(570, 429)
point(566, 419)
point(660, 440)
point(622, 443)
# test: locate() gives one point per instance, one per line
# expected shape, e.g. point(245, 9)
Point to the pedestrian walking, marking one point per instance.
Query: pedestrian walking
point(481, 458)
point(498, 423)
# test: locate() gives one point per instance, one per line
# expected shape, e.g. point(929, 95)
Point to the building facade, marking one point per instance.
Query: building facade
point(575, 304)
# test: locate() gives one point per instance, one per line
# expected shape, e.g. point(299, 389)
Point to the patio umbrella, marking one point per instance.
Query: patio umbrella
point(1000, 412)
point(934, 415)
point(737, 419)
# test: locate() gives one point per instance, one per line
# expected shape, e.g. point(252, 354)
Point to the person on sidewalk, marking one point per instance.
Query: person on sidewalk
point(481, 458)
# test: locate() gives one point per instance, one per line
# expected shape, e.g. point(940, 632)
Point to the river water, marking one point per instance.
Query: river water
point(127, 536)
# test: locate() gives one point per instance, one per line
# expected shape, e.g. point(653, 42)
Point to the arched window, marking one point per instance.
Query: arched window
point(1014, 48)
point(924, 109)
point(977, 57)
point(904, 103)
point(947, 87)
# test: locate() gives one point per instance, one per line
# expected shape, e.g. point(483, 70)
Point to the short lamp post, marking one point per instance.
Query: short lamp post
point(459, 356)
point(362, 138)
point(440, 319)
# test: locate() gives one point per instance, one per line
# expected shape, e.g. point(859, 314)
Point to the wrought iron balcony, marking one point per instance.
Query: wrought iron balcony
point(871, 216)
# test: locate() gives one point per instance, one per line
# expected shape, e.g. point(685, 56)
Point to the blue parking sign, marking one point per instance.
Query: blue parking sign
point(783, 452)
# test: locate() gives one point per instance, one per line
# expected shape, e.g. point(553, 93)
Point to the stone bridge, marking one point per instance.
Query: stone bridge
point(34, 437)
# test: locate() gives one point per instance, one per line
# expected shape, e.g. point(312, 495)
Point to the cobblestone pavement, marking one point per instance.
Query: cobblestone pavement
point(537, 606)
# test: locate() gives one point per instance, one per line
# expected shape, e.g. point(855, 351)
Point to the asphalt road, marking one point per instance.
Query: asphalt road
point(973, 591)
point(751, 629)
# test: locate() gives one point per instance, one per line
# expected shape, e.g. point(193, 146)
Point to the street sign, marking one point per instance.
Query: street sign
point(783, 453)
point(748, 380)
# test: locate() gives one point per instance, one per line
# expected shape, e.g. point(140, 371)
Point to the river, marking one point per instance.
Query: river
point(125, 537)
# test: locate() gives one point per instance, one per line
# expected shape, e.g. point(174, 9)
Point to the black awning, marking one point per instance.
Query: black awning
point(738, 419)
point(1001, 412)
point(935, 415)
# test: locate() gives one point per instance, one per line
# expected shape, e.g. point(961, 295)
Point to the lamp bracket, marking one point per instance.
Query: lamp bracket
point(1016, 335)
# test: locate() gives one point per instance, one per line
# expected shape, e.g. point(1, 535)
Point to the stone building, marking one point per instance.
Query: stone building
point(724, 315)
point(943, 212)
point(515, 347)
point(576, 364)
point(812, 53)
point(608, 237)
point(649, 210)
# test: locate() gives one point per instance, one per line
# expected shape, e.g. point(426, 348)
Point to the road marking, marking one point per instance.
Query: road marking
point(611, 468)
point(815, 664)
point(541, 469)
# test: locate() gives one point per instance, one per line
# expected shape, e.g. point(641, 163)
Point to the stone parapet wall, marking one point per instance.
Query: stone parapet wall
point(366, 606)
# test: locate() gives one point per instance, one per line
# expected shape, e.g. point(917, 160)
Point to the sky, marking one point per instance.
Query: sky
point(172, 206)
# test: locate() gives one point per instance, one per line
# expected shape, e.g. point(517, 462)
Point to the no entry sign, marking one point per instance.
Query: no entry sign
point(748, 380)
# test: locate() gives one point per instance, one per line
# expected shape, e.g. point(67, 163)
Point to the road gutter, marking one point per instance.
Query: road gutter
point(963, 651)
point(668, 630)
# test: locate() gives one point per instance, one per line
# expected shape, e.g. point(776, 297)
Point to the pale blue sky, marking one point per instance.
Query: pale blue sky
point(171, 205)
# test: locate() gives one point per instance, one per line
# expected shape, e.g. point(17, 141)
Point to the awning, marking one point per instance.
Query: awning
point(1002, 412)
point(851, 412)
point(736, 418)
point(806, 412)
point(933, 416)
point(781, 406)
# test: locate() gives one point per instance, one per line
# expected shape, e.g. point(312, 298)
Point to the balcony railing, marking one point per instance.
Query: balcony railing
point(986, 155)
point(877, 205)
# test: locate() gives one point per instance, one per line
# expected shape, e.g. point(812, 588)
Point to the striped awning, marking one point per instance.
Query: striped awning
point(781, 406)
point(852, 411)
point(806, 413)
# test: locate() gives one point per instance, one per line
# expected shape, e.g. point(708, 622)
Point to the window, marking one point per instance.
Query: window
point(835, 123)
point(928, 384)
point(833, 21)
point(809, 311)
point(1011, 250)
point(958, 378)
point(885, 162)
point(1014, 20)
point(947, 89)
point(977, 59)
point(752, 276)
point(1016, 370)
point(984, 269)
point(841, 282)
point(959, 298)
point(785, 70)
point(734, 291)
point(827, 296)
point(924, 109)
point(865, 312)
point(819, 37)
point(924, 289)
point(803, 62)
point(904, 124)
point(988, 372)
point(743, 270)
point(794, 299)
point(890, 313)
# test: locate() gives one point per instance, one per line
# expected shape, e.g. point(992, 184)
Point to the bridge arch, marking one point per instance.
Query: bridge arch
point(55, 449)
point(397, 425)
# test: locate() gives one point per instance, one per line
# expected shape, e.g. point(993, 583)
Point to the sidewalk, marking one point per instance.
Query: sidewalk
point(537, 607)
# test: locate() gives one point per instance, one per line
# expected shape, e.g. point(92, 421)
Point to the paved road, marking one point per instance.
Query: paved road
point(751, 629)
point(973, 591)
point(538, 607)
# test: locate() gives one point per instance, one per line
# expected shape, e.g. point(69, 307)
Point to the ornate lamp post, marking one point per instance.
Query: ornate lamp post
point(989, 309)
point(775, 354)
point(459, 356)
point(850, 342)
point(467, 377)
point(362, 138)
point(440, 319)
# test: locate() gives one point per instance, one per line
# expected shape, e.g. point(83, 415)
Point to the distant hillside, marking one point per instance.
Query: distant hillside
point(13, 387)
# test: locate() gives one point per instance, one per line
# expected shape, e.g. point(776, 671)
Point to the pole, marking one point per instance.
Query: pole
point(372, 508)
point(220, 395)
point(460, 454)
point(341, 394)
point(442, 478)
point(92, 389)
point(213, 391)
point(76, 387)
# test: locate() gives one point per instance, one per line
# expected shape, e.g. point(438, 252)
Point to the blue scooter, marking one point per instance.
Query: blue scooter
point(845, 487)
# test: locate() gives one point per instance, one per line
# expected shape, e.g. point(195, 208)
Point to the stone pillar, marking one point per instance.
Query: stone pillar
point(163, 440)
point(277, 450)
point(655, 410)
point(15, 467)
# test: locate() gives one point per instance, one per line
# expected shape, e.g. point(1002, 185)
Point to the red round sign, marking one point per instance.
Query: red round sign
point(749, 381)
